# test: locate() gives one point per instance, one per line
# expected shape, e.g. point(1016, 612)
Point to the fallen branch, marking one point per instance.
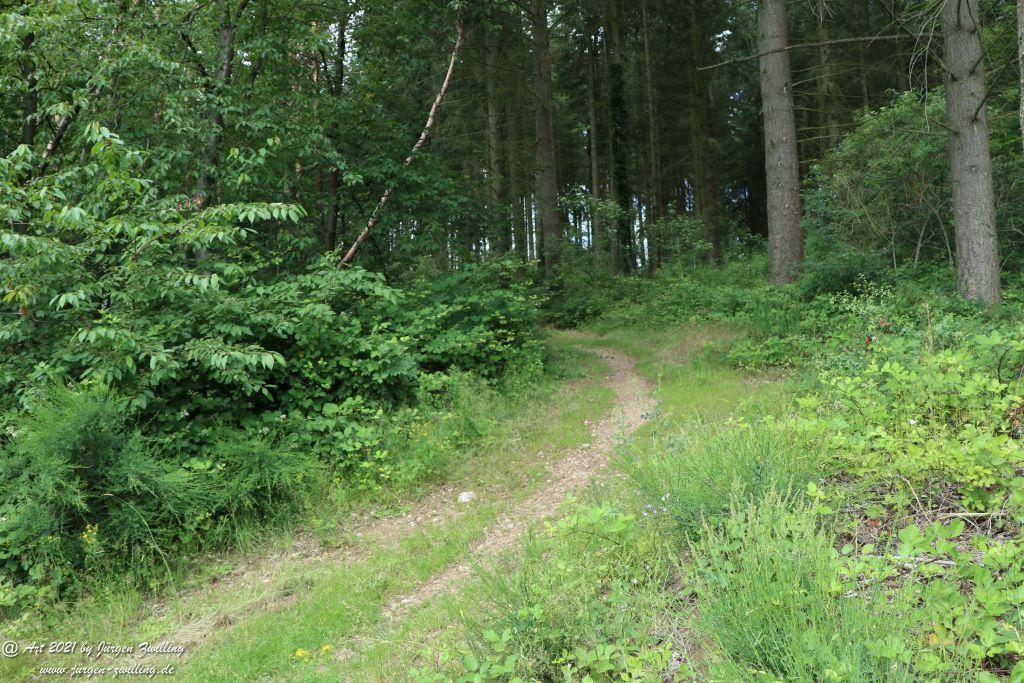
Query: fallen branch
point(375, 216)
point(801, 46)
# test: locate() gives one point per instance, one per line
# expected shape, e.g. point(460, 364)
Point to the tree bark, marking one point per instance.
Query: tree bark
point(654, 207)
point(706, 176)
point(827, 95)
point(498, 183)
point(520, 234)
point(225, 64)
point(970, 163)
point(1020, 62)
point(785, 236)
point(334, 179)
point(620, 140)
point(596, 224)
point(547, 173)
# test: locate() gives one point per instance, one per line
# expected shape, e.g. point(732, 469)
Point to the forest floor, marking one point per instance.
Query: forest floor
point(368, 604)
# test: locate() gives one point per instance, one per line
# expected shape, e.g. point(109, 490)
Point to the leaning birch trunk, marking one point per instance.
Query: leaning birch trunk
point(785, 236)
point(375, 216)
point(970, 164)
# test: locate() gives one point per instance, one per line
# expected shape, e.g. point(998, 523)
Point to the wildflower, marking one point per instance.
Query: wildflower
point(325, 649)
point(300, 653)
point(911, 422)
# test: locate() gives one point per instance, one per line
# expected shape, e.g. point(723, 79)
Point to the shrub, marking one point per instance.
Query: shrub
point(917, 410)
point(79, 489)
point(82, 490)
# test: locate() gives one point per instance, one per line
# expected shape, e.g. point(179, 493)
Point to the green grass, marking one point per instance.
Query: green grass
point(771, 608)
point(258, 627)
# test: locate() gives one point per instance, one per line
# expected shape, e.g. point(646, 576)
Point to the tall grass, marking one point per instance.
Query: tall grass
point(693, 475)
point(772, 608)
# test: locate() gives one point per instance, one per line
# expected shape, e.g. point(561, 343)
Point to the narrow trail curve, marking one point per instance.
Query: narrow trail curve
point(634, 405)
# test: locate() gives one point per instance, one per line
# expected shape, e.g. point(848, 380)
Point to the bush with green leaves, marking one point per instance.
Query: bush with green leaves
point(82, 489)
point(236, 379)
point(968, 588)
point(925, 411)
point(885, 188)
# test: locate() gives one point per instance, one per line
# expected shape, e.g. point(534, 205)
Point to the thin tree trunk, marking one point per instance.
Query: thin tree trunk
point(785, 237)
point(225, 62)
point(970, 163)
point(620, 139)
point(334, 179)
point(498, 184)
point(547, 173)
point(596, 227)
point(1020, 61)
point(706, 177)
point(826, 84)
point(30, 102)
point(520, 233)
point(653, 142)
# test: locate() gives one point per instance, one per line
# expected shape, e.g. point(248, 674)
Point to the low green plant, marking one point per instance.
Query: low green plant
point(771, 602)
point(688, 478)
point(969, 589)
point(577, 606)
point(920, 411)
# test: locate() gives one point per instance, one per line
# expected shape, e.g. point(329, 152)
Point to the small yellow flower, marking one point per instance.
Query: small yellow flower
point(325, 649)
point(300, 653)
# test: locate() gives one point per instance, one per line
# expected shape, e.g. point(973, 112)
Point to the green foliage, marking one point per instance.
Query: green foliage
point(82, 490)
point(885, 188)
point(575, 607)
point(968, 588)
point(690, 478)
point(919, 410)
point(770, 598)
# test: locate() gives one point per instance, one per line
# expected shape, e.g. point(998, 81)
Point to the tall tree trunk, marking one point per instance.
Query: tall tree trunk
point(654, 147)
point(620, 139)
point(596, 224)
point(706, 176)
point(520, 234)
point(785, 236)
point(428, 128)
point(547, 173)
point(334, 179)
point(497, 181)
point(225, 64)
point(827, 95)
point(970, 164)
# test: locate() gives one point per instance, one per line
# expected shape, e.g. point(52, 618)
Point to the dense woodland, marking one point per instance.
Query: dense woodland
point(270, 264)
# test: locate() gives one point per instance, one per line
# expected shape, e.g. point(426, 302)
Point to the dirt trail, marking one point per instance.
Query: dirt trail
point(256, 579)
point(634, 403)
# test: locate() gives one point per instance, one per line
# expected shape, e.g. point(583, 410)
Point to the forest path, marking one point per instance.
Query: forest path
point(258, 615)
point(633, 406)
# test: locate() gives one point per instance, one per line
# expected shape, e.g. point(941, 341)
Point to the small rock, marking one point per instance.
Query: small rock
point(467, 497)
